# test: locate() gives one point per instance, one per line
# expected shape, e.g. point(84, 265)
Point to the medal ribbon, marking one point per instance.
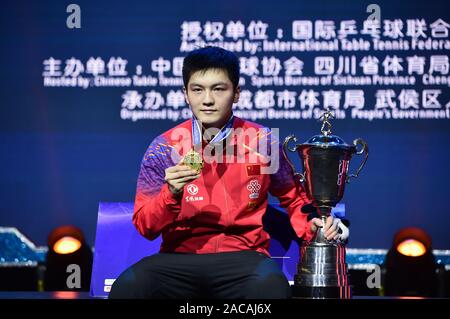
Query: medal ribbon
point(222, 134)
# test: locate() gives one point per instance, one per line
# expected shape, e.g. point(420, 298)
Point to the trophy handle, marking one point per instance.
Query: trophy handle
point(291, 149)
point(365, 150)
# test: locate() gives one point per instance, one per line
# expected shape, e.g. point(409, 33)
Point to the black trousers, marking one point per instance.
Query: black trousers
point(242, 274)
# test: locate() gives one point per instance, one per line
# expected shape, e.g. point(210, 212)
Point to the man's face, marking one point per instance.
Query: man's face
point(211, 96)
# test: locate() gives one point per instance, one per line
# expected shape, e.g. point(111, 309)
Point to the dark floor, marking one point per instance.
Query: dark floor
point(85, 295)
point(44, 295)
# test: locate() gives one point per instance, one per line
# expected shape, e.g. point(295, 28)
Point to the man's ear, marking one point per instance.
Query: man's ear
point(237, 94)
point(186, 98)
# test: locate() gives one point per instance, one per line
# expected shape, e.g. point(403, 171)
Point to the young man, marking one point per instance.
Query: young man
point(203, 185)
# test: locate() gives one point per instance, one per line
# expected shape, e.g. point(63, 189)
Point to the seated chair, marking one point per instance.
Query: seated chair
point(118, 245)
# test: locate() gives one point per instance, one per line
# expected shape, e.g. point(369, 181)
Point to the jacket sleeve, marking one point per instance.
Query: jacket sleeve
point(155, 206)
point(292, 197)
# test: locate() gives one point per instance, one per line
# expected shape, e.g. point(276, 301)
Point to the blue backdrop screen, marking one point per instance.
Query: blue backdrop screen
point(85, 89)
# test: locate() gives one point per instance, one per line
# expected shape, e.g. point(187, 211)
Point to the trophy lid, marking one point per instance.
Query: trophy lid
point(326, 139)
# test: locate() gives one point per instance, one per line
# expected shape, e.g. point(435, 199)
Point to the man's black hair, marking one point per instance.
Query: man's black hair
point(211, 58)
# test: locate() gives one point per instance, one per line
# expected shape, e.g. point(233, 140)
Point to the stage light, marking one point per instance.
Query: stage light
point(410, 267)
point(66, 245)
point(67, 251)
point(412, 248)
point(412, 241)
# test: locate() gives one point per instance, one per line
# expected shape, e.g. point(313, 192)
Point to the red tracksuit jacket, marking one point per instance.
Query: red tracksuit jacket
point(223, 209)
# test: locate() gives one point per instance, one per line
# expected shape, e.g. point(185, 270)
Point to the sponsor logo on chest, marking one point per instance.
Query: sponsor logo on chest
point(253, 187)
point(192, 190)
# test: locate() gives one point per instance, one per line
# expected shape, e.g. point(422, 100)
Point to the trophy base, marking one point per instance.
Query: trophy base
point(322, 292)
point(322, 270)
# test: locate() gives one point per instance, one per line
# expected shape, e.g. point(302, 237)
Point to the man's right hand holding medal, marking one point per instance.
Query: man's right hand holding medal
point(187, 170)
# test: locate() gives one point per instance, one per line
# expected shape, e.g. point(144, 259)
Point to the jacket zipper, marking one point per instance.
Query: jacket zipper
point(228, 212)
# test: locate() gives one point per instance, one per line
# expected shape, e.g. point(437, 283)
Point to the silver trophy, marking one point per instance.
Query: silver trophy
point(322, 270)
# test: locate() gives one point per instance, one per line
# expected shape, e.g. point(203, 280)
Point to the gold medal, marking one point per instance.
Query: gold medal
point(193, 160)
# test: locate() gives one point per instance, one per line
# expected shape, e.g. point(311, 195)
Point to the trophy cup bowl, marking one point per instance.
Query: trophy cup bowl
point(322, 270)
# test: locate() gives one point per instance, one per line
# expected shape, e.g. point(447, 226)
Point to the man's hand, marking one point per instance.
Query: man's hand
point(179, 175)
point(334, 229)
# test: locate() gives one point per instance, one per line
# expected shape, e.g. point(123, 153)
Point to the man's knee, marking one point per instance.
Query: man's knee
point(274, 286)
point(124, 287)
point(136, 282)
point(269, 282)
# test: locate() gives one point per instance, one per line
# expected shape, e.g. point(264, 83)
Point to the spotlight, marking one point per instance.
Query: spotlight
point(66, 245)
point(412, 248)
point(410, 266)
point(68, 255)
